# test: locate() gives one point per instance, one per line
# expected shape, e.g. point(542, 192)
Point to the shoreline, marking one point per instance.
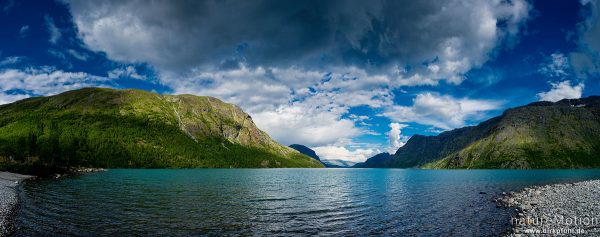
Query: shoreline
point(556, 209)
point(9, 183)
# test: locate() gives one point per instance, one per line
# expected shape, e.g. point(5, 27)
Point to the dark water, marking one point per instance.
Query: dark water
point(277, 202)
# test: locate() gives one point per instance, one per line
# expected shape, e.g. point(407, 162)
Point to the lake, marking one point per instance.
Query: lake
point(124, 202)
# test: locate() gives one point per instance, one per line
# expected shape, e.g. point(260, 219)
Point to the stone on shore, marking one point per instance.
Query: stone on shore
point(560, 209)
point(8, 199)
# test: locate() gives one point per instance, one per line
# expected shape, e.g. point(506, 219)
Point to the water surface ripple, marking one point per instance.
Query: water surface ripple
point(283, 202)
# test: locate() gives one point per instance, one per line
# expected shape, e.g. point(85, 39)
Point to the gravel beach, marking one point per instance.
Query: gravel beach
point(571, 209)
point(8, 199)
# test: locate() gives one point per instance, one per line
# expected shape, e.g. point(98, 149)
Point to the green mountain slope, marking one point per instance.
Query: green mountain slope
point(133, 128)
point(565, 134)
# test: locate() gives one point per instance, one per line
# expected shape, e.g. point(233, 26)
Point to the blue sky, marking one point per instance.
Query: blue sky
point(347, 78)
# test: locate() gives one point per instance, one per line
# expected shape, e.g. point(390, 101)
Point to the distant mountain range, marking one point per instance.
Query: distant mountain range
point(564, 134)
point(328, 163)
point(336, 163)
point(135, 129)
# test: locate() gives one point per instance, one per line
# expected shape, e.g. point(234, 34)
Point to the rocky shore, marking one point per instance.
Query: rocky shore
point(77, 171)
point(8, 199)
point(571, 209)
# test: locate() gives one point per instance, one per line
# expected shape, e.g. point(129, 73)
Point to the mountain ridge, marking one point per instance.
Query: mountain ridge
point(136, 129)
point(563, 134)
point(375, 161)
point(305, 150)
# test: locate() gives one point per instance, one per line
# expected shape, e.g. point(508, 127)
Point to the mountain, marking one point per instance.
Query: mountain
point(305, 150)
point(327, 163)
point(135, 129)
point(378, 161)
point(564, 134)
point(338, 163)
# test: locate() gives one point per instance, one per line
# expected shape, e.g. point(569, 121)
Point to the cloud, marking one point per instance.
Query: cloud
point(9, 4)
point(309, 106)
point(60, 55)
point(562, 90)
point(254, 89)
point(591, 26)
point(24, 30)
point(586, 60)
point(127, 72)
point(54, 32)
point(298, 67)
point(78, 55)
point(293, 105)
point(441, 111)
point(358, 118)
point(6, 98)
point(395, 137)
point(18, 84)
point(8, 61)
point(299, 123)
point(557, 66)
point(341, 153)
point(180, 35)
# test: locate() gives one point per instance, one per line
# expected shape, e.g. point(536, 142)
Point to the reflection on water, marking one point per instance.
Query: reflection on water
point(277, 202)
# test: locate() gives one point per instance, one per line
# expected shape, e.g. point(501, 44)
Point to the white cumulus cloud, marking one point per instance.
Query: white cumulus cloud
point(6, 98)
point(441, 111)
point(562, 90)
point(299, 123)
point(291, 104)
point(395, 137)
point(342, 153)
point(18, 84)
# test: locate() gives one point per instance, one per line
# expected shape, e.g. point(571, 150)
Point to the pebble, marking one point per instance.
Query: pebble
point(571, 209)
point(8, 199)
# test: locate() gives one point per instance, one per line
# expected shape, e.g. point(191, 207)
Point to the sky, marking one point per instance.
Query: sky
point(349, 79)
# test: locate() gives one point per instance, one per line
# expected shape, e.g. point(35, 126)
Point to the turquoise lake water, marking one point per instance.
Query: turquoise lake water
point(282, 202)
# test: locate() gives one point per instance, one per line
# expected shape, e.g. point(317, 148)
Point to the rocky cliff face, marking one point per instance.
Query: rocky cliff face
point(200, 117)
point(565, 134)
